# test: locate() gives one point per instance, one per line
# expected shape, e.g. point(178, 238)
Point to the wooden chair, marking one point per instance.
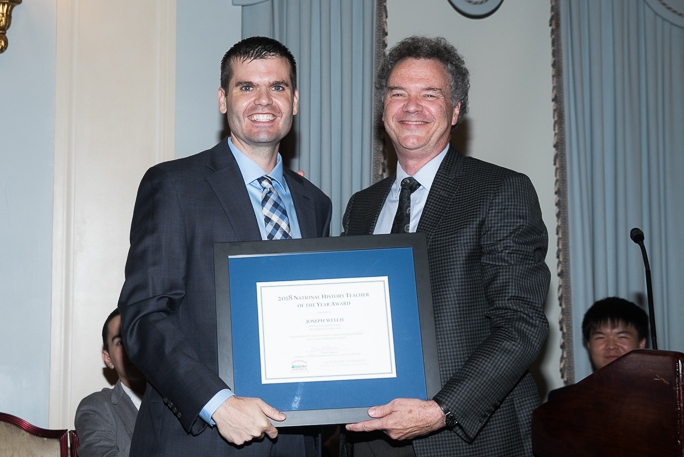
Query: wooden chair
point(19, 438)
point(73, 443)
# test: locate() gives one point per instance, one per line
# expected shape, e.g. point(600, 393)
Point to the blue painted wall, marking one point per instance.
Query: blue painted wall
point(205, 31)
point(27, 124)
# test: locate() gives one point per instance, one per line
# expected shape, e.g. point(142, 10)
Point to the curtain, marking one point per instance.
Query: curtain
point(619, 109)
point(335, 44)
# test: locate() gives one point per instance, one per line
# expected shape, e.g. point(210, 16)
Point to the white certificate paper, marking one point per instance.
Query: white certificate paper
point(325, 330)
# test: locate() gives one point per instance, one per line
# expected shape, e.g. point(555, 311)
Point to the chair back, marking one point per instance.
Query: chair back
point(73, 443)
point(19, 438)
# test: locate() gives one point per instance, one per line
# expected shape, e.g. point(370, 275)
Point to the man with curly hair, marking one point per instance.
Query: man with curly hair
point(487, 245)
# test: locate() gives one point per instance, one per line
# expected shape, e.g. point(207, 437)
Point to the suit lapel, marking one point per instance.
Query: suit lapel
point(442, 193)
point(304, 207)
point(377, 204)
point(364, 208)
point(124, 406)
point(229, 187)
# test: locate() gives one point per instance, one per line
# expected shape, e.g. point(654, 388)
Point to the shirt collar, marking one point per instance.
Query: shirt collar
point(251, 171)
point(132, 395)
point(425, 176)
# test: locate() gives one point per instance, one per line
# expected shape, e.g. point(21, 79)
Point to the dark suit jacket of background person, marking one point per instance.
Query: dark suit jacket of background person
point(167, 303)
point(104, 423)
point(486, 248)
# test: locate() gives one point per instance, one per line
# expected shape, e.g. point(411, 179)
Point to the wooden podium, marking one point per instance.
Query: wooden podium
point(632, 407)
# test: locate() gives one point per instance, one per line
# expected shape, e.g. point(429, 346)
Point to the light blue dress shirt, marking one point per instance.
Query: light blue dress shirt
point(425, 176)
point(251, 172)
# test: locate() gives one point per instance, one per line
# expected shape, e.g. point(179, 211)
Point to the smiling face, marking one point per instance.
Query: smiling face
point(259, 103)
point(608, 342)
point(418, 111)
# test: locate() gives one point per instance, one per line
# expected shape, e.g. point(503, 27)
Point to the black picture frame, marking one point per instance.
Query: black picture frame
point(402, 258)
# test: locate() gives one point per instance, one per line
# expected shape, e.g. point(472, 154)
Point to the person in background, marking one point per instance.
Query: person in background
point(611, 328)
point(487, 245)
point(237, 191)
point(105, 420)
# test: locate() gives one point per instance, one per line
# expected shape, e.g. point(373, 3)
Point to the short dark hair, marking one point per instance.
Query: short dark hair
point(439, 49)
point(112, 315)
point(615, 311)
point(255, 48)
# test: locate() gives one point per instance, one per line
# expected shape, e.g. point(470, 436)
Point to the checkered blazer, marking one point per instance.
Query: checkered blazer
point(486, 248)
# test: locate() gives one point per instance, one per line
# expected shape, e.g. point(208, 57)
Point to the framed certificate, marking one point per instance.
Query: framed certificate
point(322, 329)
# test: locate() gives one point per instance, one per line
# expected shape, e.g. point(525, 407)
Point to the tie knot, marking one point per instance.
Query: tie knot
point(410, 184)
point(266, 182)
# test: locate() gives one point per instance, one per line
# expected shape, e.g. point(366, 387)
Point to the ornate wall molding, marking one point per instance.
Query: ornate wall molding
point(567, 367)
point(379, 152)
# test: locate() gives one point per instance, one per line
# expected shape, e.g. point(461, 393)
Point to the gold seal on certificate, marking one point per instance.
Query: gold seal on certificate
point(325, 330)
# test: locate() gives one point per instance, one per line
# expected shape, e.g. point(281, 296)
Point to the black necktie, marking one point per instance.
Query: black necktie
point(402, 219)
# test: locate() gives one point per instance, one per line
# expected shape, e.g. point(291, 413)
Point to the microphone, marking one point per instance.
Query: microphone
point(638, 237)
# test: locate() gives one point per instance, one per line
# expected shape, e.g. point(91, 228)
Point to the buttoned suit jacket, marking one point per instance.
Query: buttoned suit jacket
point(104, 423)
point(486, 248)
point(167, 303)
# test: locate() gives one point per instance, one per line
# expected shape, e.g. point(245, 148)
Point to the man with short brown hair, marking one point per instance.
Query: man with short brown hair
point(237, 191)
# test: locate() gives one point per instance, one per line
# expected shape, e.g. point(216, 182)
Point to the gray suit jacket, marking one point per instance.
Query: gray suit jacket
point(486, 248)
point(105, 422)
point(168, 301)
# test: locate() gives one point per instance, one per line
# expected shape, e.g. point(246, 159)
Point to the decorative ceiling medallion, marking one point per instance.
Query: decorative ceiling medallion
point(670, 10)
point(476, 9)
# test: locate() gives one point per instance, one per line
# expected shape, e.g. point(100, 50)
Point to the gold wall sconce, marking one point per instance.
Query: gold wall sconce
point(6, 7)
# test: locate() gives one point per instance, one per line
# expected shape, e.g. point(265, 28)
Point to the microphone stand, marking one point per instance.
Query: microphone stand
point(638, 237)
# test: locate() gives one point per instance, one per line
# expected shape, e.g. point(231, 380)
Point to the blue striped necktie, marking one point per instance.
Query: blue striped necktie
point(275, 215)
